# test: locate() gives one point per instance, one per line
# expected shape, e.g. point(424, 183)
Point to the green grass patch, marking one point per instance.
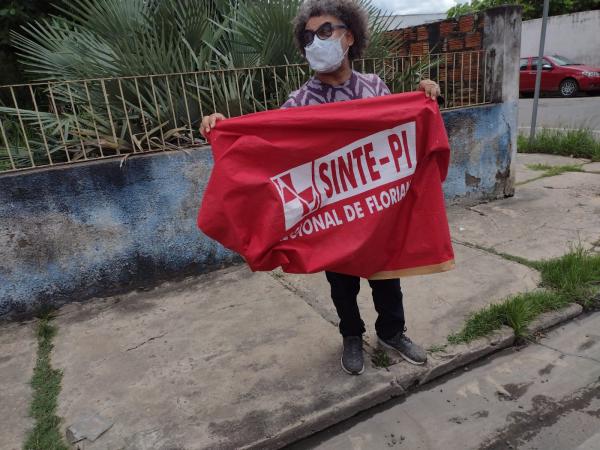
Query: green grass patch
point(381, 359)
point(437, 348)
point(574, 277)
point(45, 382)
point(550, 171)
point(578, 143)
point(516, 312)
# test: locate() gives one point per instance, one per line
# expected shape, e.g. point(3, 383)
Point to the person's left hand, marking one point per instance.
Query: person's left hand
point(431, 88)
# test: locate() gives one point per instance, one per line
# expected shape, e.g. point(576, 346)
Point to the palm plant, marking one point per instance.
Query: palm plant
point(215, 55)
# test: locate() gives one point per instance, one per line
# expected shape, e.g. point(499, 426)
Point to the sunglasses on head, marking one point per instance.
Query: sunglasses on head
point(324, 32)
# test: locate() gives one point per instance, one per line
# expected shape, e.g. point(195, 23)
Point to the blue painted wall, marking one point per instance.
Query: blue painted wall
point(95, 229)
point(482, 141)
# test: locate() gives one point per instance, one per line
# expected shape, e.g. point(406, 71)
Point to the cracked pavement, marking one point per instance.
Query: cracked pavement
point(233, 359)
point(542, 396)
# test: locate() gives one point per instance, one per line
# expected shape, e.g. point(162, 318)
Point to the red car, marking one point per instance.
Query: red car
point(558, 74)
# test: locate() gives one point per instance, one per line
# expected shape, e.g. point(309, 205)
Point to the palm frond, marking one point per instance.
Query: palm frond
point(231, 56)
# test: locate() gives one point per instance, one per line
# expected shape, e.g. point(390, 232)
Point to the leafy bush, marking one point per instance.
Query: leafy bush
point(532, 9)
point(578, 143)
point(212, 52)
point(13, 14)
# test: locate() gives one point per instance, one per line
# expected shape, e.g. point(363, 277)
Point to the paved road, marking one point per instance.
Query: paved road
point(562, 113)
point(541, 396)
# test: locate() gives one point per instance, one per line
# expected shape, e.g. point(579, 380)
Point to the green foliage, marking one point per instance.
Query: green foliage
point(110, 38)
point(476, 5)
point(409, 78)
point(551, 171)
point(381, 359)
point(436, 348)
point(573, 277)
point(13, 14)
point(479, 324)
point(46, 381)
point(576, 275)
point(578, 143)
point(516, 312)
point(532, 9)
point(186, 39)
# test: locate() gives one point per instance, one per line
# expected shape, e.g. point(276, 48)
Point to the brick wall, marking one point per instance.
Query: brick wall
point(463, 33)
point(459, 71)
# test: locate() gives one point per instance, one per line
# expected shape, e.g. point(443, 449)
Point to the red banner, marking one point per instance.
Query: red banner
point(353, 187)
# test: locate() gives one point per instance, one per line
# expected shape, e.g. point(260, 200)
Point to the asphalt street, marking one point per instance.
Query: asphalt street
point(543, 395)
point(578, 112)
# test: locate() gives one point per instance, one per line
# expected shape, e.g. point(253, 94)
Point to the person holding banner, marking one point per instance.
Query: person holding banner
point(329, 34)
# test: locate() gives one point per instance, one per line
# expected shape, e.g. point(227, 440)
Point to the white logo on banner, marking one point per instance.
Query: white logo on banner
point(370, 162)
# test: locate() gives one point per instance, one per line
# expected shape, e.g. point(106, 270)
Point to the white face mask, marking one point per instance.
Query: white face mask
point(325, 55)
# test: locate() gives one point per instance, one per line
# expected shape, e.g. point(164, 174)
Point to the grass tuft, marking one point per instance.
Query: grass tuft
point(578, 143)
point(46, 383)
point(550, 171)
point(516, 312)
point(576, 275)
point(436, 348)
point(381, 359)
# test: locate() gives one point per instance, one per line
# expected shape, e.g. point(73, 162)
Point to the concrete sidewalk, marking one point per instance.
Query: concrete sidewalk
point(235, 360)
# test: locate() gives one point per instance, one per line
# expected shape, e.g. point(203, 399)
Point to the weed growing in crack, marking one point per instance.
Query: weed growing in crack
point(45, 383)
point(437, 348)
point(573, 277)
point(381, 359)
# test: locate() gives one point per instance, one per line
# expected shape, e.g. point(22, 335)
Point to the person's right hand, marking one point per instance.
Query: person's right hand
point(209, 122)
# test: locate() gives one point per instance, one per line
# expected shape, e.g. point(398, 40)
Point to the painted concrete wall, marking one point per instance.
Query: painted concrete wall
point(482, 147)
point(502, 41)
point(572, 35)
point(95, 229)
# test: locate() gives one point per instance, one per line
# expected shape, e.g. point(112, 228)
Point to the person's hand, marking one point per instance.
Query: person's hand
point(430, 87)
point(209, 122)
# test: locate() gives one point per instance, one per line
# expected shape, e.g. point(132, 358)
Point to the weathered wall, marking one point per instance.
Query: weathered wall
point(572, 35)
point(502, 41)
point(482, 144)
point(94, 229)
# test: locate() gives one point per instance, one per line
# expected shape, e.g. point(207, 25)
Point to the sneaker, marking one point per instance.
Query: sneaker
point(410, 351)
point(352, 356)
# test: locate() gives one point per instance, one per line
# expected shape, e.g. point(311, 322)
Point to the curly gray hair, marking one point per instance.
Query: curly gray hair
point(348, 11)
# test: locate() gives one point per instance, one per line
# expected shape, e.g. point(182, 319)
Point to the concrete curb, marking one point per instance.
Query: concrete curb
point(329, 416)
point(408, 376)
point(462, 354)
point(552, 318)
point(453, 357)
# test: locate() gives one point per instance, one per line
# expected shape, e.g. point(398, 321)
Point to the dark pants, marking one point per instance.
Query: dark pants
point(387, 297)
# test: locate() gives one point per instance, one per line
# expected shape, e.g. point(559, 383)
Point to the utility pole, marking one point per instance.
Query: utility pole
point(538, 74)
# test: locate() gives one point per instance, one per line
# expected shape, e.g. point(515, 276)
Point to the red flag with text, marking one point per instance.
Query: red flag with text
point(353, 187)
